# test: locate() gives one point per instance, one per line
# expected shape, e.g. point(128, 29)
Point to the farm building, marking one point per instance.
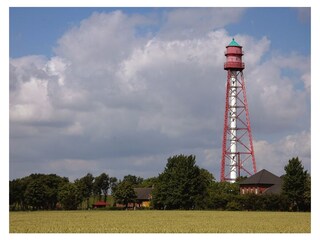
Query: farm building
point(263, 182)
point(100, 204)
point(143, 197)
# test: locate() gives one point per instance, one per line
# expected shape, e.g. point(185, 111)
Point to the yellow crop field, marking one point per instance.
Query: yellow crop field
point(159, 222)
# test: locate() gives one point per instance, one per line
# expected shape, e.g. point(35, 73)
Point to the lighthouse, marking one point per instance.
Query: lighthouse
point(237, 148)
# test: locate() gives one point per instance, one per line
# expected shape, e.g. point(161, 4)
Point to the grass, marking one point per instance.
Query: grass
point(159, 222)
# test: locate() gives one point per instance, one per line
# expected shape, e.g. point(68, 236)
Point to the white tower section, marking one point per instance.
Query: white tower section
point(233, 127)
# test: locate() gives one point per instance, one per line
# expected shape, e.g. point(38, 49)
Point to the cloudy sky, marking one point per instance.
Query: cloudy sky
point(119, 90)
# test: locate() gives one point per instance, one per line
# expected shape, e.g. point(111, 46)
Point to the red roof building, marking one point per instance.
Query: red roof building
point(100, 204)
point(262, 182)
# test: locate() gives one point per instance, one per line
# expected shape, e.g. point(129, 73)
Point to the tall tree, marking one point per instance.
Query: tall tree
point(85, 185)
point(113, 184)
point(294, 183)
point(134, 180)
point(307, 194)
point(182, 185)
point(124, 193)
point(16, 193)
point(70, 196)
point(35, 194)
point(52, 183)
point(101, 185)
point(148, 182)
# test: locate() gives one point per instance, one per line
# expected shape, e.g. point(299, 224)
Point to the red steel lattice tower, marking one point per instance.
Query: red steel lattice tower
point(237, 148)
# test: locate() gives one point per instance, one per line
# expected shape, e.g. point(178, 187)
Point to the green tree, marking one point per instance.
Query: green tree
point(274, 202)
point(35, 194)
point(52, 182)
point(182, 185)
point(307, 194)
point(294, 184)
point(148, 182)
point(70, 196)
point(85, 185)
point(134, 180)
point(206, 180)
point(225, 188)
point(221, 193)
point(124, 193)
point(101, 185)
point(113, 184)
point(16, 193)
point(22, 191)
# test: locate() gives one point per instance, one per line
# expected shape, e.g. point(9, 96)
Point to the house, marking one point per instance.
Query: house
point(263, 182)
point(143, 197)
point(100, 204)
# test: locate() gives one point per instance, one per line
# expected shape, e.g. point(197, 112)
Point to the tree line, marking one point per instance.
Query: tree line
point(182, 185)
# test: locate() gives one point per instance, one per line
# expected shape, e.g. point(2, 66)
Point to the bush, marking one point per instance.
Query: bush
point(219, 202)
point(234, 205)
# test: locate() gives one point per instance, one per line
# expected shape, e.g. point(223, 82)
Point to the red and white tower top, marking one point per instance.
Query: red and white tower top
point(234, 57)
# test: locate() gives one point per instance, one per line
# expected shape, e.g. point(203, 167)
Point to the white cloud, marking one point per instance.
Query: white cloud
point(103, 38)
point(186, 23)
point(273, 156)
point(28, 97)
point(277, 102)
point(57, 66)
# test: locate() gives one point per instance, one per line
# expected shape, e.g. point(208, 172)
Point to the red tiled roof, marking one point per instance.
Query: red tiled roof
point(101, 203)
